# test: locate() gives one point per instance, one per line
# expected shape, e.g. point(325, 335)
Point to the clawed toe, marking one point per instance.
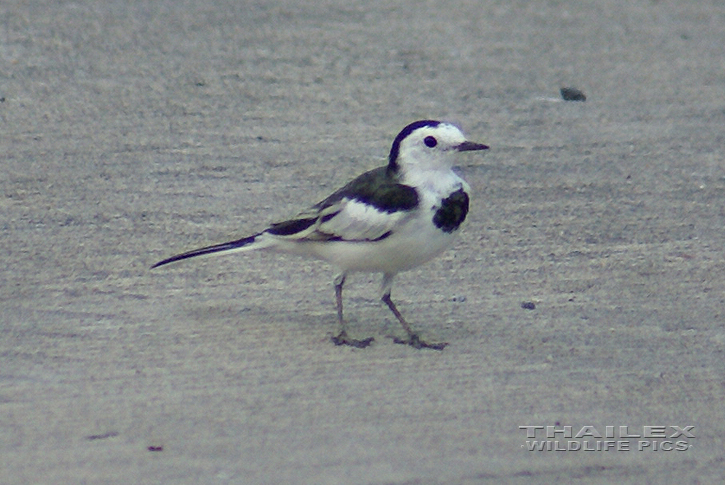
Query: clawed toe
point(414, 341)
point(343, 339)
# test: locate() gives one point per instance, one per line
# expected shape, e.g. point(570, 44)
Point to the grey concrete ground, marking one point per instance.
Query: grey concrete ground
point(132, 130)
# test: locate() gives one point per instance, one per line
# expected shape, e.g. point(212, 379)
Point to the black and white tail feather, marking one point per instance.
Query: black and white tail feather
point(387, 220)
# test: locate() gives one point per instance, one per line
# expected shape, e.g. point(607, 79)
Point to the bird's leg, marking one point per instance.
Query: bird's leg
point(342, 338)
point(413, 339)
point(339, 281)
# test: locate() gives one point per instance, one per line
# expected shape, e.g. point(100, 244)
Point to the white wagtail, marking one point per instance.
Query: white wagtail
point(387, 220)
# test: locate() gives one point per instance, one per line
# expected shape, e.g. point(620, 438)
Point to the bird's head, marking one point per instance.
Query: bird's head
point(428, 145)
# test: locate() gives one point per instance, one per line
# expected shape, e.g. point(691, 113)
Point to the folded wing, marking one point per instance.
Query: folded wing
point(367, 209)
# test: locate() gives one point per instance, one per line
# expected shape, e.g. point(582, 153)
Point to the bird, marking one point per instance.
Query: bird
point(387, 220)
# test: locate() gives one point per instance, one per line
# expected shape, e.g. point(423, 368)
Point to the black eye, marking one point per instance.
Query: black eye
point(430, 141)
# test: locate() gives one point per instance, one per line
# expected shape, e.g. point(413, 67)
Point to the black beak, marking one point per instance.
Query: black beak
point(469, 146)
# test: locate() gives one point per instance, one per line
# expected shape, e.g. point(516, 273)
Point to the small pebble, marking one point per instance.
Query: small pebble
point(528, 305)
point(572, 94)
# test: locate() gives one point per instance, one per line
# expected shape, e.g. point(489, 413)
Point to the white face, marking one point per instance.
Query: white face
point(430, 148)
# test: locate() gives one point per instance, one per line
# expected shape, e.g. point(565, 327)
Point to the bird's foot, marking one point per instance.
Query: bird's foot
point(414, 341)
point(343, 339)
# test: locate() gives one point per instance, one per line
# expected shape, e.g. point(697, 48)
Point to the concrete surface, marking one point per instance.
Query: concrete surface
point(132, 130)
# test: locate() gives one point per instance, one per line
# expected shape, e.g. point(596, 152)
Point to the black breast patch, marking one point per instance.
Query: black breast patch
point(452, 211)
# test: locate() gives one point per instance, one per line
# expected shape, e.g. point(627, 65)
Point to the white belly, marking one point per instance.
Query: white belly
point(415, 243)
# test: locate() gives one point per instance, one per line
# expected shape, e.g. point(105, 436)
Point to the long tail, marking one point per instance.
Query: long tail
point(247, 243)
